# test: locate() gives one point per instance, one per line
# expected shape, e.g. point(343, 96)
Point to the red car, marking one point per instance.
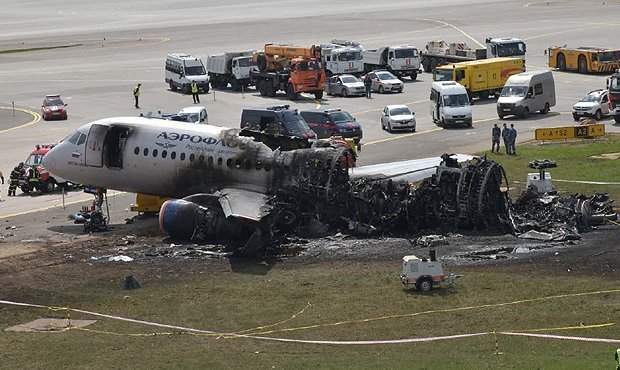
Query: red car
point(53, 108)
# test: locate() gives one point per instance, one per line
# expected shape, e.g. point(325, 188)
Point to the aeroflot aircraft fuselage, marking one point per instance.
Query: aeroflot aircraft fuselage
point(161, 157)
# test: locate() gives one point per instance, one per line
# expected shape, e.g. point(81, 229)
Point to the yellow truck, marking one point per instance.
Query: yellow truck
point(480, 78)
point(584, 59)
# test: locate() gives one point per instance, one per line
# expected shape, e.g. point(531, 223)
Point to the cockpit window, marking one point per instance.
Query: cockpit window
point(82, 139)
point(74, 138)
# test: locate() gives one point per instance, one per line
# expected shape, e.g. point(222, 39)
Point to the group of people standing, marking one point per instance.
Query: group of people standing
point(508, 134)
point(193, 87)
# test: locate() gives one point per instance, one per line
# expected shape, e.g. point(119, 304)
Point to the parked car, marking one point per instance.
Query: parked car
point(345, 85)
point(276, 120)
point(397, 117)
point(384, 81)
point(53, 108)
point(594, 104)
point(326, 123)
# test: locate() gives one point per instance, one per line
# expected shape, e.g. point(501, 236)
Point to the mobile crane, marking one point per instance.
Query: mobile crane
point(293, 69)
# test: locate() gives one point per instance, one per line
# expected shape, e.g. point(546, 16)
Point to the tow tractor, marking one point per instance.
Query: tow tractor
point(425, 273)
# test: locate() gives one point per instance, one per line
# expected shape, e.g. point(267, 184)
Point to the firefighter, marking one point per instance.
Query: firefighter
point(34, 178)
point(16, 174)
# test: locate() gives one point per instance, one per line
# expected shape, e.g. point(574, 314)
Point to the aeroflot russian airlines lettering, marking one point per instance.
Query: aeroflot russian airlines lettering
point(230, 142)
point(196, 139)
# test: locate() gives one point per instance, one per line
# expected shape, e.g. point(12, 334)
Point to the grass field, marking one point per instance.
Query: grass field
point(345, 294)
point(574, 163)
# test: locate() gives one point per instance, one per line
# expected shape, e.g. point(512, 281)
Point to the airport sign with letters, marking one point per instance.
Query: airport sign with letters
point(570, 132)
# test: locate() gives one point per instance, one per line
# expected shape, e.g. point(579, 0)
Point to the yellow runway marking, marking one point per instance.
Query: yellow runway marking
point(458, 29)
point(55, 206)
point(36, 117)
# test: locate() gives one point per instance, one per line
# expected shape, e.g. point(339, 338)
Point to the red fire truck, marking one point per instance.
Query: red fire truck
point(47, 181)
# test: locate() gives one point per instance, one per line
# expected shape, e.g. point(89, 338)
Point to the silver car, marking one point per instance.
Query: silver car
point(384, 81)
point(397, 117)
point(345, 85)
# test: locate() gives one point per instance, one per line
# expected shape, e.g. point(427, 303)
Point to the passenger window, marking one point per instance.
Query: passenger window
point(136, 151)
point(538, 89)
point(229, 162)
point(154, 153)
point(201, 158)
point(259, 165)
point(146, 151)
point(248, 164)
point(173, 155)
point(82, 139)
point(219, 161)
point(164, 154)
point(210, 161)
point(192, 157)
point(238, 163)
point(182, 156)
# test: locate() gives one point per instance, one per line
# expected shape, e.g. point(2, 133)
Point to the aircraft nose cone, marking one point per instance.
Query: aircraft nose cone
point(48, 162)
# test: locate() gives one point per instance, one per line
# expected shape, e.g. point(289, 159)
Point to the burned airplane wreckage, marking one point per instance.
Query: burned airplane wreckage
point(315, 185)
point(245, 187)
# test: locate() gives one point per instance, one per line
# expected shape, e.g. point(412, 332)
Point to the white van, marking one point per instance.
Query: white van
point(450, 104)
point(196, 113)
point(182, 69)
point(525, 93)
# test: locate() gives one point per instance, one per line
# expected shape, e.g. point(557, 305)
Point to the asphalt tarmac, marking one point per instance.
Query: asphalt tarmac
point(115, 45)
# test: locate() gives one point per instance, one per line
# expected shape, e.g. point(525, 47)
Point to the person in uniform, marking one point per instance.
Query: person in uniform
point(34, 177)
point(495, 134)
point(368, 86)
point(513, 139)
point(195, 95)
point(16, 174)
point(136, 94)
point(506, 138)
point(1, 178)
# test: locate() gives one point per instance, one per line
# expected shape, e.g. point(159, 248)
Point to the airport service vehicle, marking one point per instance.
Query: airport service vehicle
point(383, 81)
point(53, 107)
point(182, 69)
point(47, 180)
point(341, 56)
point(613, 85)
point(345, 85)
point(525, 93)
point(328, 122)
point(276, 120)
point(401, 60)
point(230, 68)
point(293, 69)
point(594, 104)
point(583, 59)
point(450, 104)
point(423, 273)
point(438, 53)
point(481, 78)
point(397, 117)
point(196, 114)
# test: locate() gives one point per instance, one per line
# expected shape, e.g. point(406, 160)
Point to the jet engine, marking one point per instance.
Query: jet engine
point(183, 219)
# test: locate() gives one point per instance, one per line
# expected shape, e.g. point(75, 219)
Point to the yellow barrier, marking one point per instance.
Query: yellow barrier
point(570, 132)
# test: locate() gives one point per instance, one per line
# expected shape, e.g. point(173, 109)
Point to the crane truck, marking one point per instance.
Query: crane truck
point(438, 53)
point(293, 69)
point(230, 68)
point(401, 60)
point(613, 85)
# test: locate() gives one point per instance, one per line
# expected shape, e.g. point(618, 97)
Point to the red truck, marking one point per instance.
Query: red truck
point(47, 181)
